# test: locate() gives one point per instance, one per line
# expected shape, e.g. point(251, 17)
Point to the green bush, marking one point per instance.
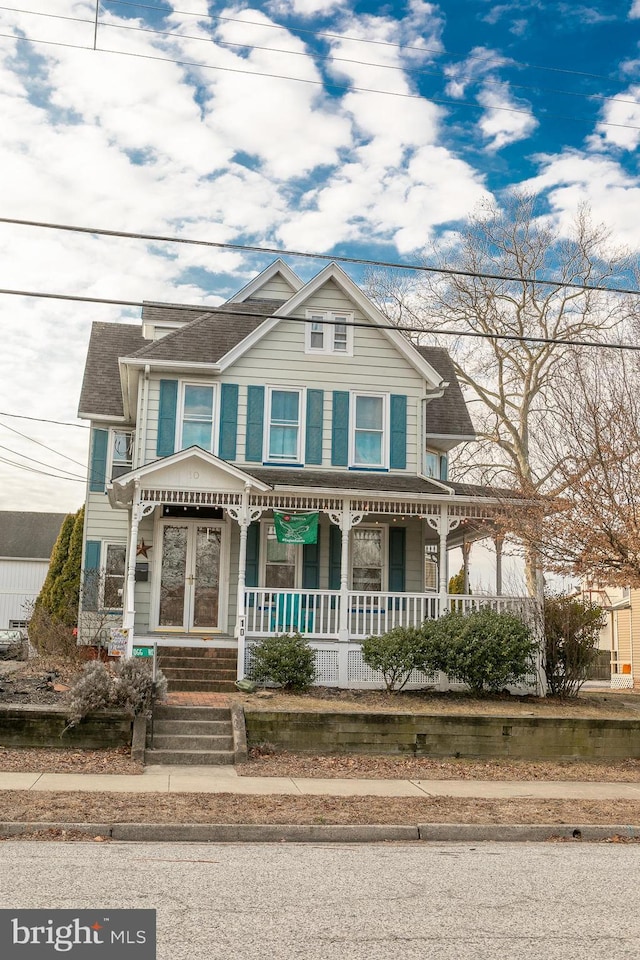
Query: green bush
point(286, 660)
point(395, 655)
point(571, 633)
point(485, 649)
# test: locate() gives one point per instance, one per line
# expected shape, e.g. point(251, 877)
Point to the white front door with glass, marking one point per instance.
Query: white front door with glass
point(189, 589)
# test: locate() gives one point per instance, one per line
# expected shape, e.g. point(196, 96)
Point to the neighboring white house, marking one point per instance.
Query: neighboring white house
point(291, 397)
point(26, 542)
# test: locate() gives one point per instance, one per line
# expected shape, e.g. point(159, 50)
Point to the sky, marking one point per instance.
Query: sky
point(313, 125)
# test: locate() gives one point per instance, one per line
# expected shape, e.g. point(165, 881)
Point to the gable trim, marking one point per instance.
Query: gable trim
point(208, 458)
point(277, 267)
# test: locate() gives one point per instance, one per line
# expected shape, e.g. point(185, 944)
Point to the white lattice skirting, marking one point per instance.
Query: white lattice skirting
point(621, 681)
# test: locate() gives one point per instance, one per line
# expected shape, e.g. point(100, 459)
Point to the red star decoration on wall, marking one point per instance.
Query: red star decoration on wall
point(143, 550)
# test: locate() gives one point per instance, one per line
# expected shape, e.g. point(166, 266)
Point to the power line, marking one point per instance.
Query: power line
point(325, 84)
point(40, 444)
point(503, 61)
point(405, 69)
point(23, 466)
point(61, 423)
point(403, 328)
point(279, 252)
point(52, 466)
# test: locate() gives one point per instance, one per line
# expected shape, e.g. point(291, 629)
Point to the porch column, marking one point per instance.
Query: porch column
point(243, 516)
point(139, 509)
point(346, 520)
point(498, 543)
point(466, 552)
point(443, 524)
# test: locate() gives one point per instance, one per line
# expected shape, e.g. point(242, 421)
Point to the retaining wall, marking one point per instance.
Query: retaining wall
point(529, 738)
point(35, 726)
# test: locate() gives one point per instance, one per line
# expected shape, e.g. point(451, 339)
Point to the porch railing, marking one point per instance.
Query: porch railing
point(316, 613)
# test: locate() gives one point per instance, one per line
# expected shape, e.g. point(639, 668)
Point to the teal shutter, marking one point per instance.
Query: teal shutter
point(397, 542)
point(253, 555)
point(91, 575)
point(311, 565)
point(255, 424)
point(444, 467)
point(313, 447)
point(166, 443)
point(335, 557)
point(398, 432)
point(228, 421)
point(340, 429)
point(98, 472)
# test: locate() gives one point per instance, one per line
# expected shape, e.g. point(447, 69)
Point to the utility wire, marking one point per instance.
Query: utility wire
point(503, 61)
point(23, 466)
point(40, 444)
point(347, 88)
point(403, 328)
point(41, 463)
point(61, 423)
point(278, 251)
point(405, 69)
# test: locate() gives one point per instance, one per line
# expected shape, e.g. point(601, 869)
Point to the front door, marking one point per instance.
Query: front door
point(189, 589)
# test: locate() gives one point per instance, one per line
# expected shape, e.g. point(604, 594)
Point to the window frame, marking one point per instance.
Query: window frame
point(298, 460)
point(265, 525)
point(385, 444)
point(330, 318)
point(104, 559)
point(111, 450)
point(182, 385)
point(384, 547)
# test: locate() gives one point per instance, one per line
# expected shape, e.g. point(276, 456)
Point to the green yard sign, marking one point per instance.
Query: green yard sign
point(143, 651)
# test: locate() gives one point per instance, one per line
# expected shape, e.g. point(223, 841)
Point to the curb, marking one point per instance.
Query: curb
point(336, 833)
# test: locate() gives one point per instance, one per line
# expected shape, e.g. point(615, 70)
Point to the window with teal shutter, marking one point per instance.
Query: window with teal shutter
point(166, 442)
point(398, 433)
point(311, 565)
point(91, 575)
point(255, 424)
point(228, 421)
point(340, 429)
point(98, 472)
point(335, 556)
point(444, 467)
point(253, 556)
point(313, 445)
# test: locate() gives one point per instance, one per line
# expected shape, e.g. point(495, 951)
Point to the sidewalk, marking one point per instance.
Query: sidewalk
point(192, 779)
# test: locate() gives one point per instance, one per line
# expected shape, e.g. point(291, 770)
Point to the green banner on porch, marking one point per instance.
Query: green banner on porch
point(296, 527)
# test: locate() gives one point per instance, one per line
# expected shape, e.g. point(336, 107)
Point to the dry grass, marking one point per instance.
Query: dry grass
point(49, 760)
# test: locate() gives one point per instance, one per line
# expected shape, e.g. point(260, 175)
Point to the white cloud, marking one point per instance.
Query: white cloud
point(305, 8)
point(505, 120)
point(481, 62)
point(623, 114)
point(634, 13)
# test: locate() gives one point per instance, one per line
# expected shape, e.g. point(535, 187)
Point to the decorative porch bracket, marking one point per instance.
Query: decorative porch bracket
point(139, 510)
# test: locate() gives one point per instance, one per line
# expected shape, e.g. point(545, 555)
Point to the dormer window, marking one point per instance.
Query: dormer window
point(329, 334)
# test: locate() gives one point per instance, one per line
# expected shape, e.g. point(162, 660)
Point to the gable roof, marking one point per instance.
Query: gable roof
point(278, 267)
point(26, 535)
point(210, 336)
point(446, 416)
point(101, 393)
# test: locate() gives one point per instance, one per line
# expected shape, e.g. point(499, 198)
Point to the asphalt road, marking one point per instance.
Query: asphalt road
point(349, 902)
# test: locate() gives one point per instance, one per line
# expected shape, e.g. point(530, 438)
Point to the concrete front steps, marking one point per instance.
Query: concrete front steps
point(199, 670)
point(190, 735)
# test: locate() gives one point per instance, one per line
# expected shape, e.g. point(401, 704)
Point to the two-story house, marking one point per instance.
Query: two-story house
point(293, 398)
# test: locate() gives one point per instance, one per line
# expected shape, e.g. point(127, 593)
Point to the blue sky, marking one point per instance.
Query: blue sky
point(123, 138)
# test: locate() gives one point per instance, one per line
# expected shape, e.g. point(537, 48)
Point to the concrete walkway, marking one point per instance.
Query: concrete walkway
point(165, 779)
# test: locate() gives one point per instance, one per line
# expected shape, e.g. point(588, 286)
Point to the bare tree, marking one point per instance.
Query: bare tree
point(513, 386)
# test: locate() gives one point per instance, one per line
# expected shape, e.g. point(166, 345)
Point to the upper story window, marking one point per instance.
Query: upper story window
point(284, 425)
point(369, 440)
point(436, 465)
point(121, 453)
point(329, 333)
point(196, 422)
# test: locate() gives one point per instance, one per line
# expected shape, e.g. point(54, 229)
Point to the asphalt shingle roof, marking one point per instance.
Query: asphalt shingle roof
point(26, 535)
point(447, 415)
point(101, 393)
